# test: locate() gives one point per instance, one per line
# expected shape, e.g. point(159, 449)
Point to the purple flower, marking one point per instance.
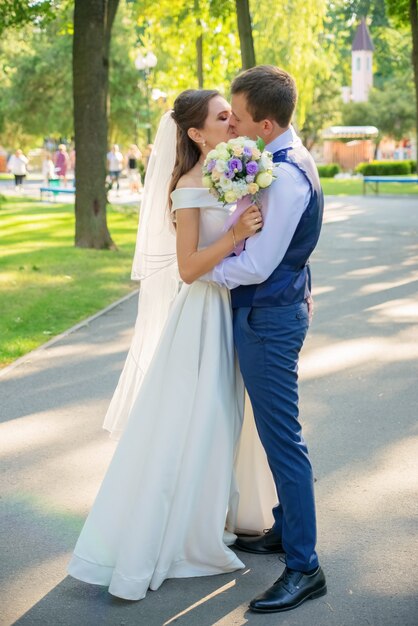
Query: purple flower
point(247, 151)
point(235, 164)
point(210, 166)
point(229, 174)
point(252, 168)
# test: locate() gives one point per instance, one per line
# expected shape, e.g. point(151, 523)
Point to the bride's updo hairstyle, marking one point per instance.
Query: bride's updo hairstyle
point(190, 111)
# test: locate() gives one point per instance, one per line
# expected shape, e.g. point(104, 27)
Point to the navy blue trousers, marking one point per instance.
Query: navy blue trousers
point(268, 342)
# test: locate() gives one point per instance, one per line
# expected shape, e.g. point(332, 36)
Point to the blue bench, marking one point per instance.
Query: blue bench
point(56, 190)
point(374, 181)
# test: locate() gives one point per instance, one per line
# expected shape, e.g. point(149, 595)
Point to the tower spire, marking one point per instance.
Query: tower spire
point(361, 63)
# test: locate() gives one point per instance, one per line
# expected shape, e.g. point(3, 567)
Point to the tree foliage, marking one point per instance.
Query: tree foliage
point(293, 37)
point(400, 10)
point(324, 110)
point(37, 78)
point(309, 38)
point(394, 117)
point(17, 13)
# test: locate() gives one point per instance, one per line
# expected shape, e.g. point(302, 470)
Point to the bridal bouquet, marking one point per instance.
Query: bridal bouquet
point(238, 168)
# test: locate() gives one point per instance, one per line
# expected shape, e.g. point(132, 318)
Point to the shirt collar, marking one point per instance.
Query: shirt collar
point(287, 139)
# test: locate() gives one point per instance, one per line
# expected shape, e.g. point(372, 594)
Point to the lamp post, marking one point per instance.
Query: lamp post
point(144, 63)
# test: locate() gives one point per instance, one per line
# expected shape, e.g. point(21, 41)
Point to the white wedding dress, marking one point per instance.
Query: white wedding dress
point(169, 503)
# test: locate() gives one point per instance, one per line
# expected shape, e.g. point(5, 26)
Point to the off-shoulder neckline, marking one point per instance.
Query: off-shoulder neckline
point(191, 188)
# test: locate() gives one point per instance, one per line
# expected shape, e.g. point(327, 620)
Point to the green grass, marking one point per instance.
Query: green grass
point(341, 187)
point(46, 284)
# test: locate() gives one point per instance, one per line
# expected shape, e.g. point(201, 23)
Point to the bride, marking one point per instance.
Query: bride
point(168, 504)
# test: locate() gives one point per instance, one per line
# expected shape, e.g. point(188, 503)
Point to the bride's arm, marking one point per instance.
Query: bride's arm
point(194, 263)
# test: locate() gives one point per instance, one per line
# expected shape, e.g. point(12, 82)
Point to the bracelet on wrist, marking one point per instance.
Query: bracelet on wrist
point(233, 237)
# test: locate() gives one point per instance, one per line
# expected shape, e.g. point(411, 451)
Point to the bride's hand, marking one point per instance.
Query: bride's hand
point(249, 223)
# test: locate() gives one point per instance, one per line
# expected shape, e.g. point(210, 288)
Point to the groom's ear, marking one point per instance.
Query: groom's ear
point(267, 127)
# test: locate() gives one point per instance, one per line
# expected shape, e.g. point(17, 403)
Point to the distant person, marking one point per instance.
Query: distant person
point(133, 159)
point(115, 164)
point(17, 166)
point(62, 163)
point(48, 168)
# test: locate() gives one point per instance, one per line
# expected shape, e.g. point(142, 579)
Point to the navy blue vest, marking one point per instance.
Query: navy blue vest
point(290, 282)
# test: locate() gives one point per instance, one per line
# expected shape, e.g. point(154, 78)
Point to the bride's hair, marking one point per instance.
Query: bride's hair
point(190, 111)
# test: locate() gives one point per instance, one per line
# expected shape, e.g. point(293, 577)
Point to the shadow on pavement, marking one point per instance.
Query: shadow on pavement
point(358, 409)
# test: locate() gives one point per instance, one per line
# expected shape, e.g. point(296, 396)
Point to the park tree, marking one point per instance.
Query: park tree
point(17, 13)
point(405, 12)
point(293, 37)
point(37, 61)
point(245, 33)
point(172, 30)
point(93, 23)
point(35, 82)
point(324, 110)
point(394, 117)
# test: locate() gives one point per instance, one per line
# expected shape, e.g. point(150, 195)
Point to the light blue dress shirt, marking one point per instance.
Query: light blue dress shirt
point(283, 204)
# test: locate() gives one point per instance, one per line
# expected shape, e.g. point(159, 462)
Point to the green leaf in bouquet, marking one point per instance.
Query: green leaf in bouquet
point(260, 144)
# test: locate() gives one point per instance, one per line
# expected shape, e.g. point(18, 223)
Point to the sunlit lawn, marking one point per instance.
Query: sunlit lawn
point(46, 284)
point(354, 187)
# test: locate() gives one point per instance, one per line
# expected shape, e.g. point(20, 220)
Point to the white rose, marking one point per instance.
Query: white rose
point(221, 165)
point(264, 179)
point(222, 151)
point(249, 143)
point(256, 154)
point(226, 184)
point(238, 150)
point(265, 162)
point(212, 155)
point(237, 141)
point(253, 188)
point(230, 197)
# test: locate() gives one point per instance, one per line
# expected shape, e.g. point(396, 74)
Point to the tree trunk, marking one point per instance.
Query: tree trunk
point(199, 46)
point(199, 53)
point(245, 33)
point(413, 16)
point(93, 22)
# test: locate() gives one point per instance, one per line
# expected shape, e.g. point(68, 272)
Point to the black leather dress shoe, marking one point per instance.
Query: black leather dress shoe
point(269, 543)
point(289, 591)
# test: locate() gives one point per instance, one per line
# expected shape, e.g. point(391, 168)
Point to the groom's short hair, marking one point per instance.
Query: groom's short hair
point(270, 93)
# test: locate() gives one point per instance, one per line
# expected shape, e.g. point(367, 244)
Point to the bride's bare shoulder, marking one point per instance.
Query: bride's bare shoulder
point(192, 178)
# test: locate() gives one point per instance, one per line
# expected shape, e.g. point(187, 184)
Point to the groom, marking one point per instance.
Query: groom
point(270, 285)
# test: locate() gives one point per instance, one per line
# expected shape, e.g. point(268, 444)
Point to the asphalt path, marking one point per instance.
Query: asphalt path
point(359, 406)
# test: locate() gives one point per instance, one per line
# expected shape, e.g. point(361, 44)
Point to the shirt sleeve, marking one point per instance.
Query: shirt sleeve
point(283, 205)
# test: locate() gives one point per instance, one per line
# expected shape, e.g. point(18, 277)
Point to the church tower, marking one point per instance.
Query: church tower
point(361, 63)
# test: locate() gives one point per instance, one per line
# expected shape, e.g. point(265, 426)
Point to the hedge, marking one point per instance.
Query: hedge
point(328, 171)
point(386, 168)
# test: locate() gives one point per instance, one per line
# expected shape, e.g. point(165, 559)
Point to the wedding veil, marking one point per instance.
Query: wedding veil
point(155, 265)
